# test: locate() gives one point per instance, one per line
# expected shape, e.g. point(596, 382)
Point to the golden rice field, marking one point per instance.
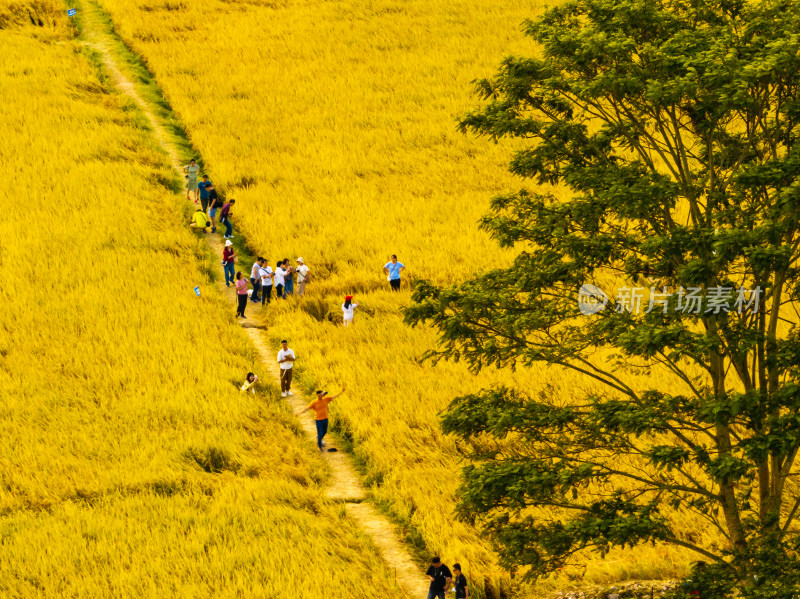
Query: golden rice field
point(130, 463)
point(333, 125)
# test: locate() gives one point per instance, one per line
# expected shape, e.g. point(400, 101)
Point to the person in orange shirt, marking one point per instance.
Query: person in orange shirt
point(320, 407)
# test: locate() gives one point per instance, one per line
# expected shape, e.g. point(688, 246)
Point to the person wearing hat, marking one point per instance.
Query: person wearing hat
point(440, 577)
point(347, 308)
point(320, 407)
point(228, 258)
point(199, 220)
point(302, 277)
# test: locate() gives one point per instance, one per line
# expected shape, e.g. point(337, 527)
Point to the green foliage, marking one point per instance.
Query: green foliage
point(673, 125)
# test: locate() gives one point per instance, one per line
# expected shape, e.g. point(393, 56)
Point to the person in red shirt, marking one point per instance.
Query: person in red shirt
point(225, 218)
point(320, 407)
point(228, 259)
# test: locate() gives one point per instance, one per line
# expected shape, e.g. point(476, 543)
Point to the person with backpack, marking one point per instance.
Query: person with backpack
point(347, 308)
point(225, 218)
point(241, 294)
point(228, 259)
point(440, 578)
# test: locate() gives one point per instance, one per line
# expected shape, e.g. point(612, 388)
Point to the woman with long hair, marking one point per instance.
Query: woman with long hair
point(191, 171)
point(241, 294)
point(347, 309)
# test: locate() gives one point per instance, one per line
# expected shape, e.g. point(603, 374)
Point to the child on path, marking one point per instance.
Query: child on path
point(393, 268)
point(241, 294)
point(225, 218)
point(250, 383)
point(228, 258)
point(191, 171)
point(286, 360)
point(347, 308)
point(460, 582)
point(320, 407)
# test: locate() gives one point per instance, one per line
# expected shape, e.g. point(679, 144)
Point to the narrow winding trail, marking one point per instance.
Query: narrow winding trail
point(344, 484)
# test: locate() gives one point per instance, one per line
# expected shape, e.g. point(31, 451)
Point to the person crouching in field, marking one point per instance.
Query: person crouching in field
point(320, 407)
point(228, 259)
point(200, 220)
point(241, 294)
point(347, 308)
point(250, 383)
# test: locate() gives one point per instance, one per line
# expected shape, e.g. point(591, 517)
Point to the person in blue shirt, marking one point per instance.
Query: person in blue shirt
point(393, 268)
point(205, 192)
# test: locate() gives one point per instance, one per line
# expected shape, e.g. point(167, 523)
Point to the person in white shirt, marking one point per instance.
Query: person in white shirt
point(347, 308)
point(302, 277)
point(250, 383)
point(280, 279)
point(266, 283)
point(255, 279)
point(286, 361)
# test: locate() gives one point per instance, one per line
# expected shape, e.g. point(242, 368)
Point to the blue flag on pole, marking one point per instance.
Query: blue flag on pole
point(71, 12)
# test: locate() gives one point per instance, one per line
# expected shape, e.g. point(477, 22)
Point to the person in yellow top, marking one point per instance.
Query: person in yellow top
point(320, 407)
point(200, 220)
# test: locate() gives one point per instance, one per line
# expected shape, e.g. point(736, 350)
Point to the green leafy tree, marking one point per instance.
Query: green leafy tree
point(672, 126)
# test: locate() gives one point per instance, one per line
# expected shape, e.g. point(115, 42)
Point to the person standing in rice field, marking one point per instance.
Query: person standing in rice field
point(228, 258)
point(191, 171)
point(347, 308)
point(266, 283)
point(241, 294)
point(460, 582)
point(286, 359)
point(280, 280)
point(320, 407)
point(393, 268)
point(255, 279)
point(225, 218)
point(302, 277)
point(288, 288)
point(440, 578)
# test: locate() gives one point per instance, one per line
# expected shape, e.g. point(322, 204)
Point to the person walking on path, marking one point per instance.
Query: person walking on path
point(288, 287)
point(286, 360)
point(241, 294)
point(266, 283)
point(280, 280)
point(214, 202)
point(255, 279)
point(302, 277)
point(347, 308)
point(393, 268)
point(460, 582)
point(199, 220)
point(250, 383)
point(191, 171)
point(204, 187)
point(320, 407)
point(225, 218)
point(228, 258)
point(440, 578)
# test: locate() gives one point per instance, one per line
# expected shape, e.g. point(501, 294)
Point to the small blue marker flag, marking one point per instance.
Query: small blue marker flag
point(197, 290)
point(71, 12)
